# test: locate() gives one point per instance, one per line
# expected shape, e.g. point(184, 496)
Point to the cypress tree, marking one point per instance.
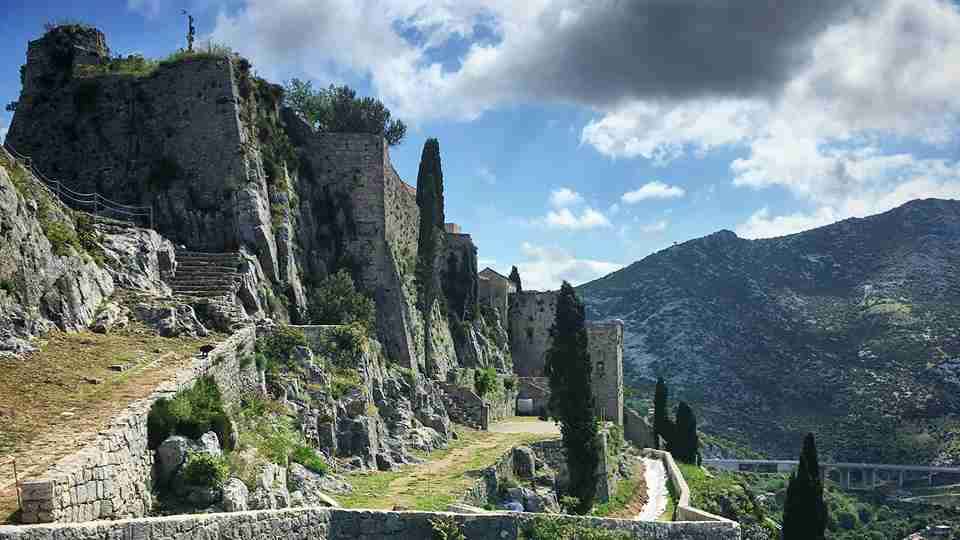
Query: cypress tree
point(430, 201)
point(515, 278)
point(684, 445)
point(804, 510)
point(571, 398)
point(661, 417)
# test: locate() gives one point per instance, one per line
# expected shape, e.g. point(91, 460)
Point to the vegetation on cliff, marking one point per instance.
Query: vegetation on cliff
point(571, 396)
point(337, 109)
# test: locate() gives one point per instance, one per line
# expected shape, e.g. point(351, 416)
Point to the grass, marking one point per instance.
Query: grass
point(628, 499)
point(47, 406)
point(671, 508)
point(440, 481)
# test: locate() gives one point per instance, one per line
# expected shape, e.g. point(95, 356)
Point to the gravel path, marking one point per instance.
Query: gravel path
point(656, 477)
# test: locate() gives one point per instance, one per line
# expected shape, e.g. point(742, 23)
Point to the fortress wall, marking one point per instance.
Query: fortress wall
point(636, 429)
point(341, 524)
point(531, 315)
point(171, 139)
point(111, 477)
point(605, 343)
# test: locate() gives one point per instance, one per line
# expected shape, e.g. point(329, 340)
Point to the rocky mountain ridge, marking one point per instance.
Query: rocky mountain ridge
point(848, 330)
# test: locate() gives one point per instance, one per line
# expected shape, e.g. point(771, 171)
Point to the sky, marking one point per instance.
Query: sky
point(580, 136)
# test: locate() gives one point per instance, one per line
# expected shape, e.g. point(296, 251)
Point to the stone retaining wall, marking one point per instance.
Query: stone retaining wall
point(111, 477)
point(636, 429)
point(684, 511)
point(341, 524)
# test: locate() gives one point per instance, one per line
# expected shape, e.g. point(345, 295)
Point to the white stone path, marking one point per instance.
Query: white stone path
point(657, 494)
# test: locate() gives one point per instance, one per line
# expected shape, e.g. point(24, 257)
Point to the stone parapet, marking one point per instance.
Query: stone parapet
point(684, 511)
point(313, 523)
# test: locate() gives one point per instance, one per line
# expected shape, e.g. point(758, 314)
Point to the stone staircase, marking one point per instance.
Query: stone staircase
point(210, 278)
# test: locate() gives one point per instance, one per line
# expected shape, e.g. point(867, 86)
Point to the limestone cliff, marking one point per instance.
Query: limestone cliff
point(47, 278)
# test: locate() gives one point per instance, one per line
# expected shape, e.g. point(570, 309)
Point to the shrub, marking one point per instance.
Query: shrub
point(206, 470)
point(7, 286)
point(350, 339)
point(277, 347)
point(542, 528)
point(336, 300)
point(485, 381)
point(337, 109)
point(190, 413)
point(61, 237)
point(309, 458)
point(510, 383)
point(446, 528)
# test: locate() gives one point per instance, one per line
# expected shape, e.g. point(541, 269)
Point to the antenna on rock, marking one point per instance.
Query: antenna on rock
point(191, 30)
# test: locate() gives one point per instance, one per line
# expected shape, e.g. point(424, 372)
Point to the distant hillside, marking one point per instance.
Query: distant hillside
point(849, 330)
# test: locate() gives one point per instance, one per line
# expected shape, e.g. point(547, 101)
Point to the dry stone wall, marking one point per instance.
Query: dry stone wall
point(340, 524)
point(111, 477)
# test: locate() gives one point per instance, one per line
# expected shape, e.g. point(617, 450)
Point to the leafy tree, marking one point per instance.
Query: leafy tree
point(337, 301)
point(804, 510)
point(484, 381)
point(515, 278)
point(337, 109)
point(662, 425)
point(684, 443)
point(571, 398)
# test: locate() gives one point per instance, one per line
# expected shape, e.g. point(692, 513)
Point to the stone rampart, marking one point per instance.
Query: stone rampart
point(636, 429)
point(531, 315)
point(314, 523)
point(684, 511)
point(111, 477)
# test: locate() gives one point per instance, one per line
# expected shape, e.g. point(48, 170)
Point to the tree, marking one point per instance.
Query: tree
point(337, 301)
point(684, 443)
point(571, 398)
point(662, 426)
point(515, 278)
point(337, 109)
point(804, 510)
point(430, 201)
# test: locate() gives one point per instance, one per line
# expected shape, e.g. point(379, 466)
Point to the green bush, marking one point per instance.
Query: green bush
point(206, 470)
point(276, 348)
point(61, 237)
point(191, 413)
point(543, 528)
point(446, 528)
point(485, 381)
point(309, 458)
point(7, 286)
point(350, 339)
point(510, 383)
point(336, 300)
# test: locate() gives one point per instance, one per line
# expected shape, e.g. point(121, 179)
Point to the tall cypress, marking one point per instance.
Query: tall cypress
point(571, 398)
point(515, 278)
point(804, 510)
point(661, 417)
point(430, 201)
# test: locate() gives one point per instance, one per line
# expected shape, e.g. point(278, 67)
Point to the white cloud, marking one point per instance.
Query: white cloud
point(657, 226)
point(486, 175)
point(545, 268)
point(564, 218)
point(149, 8)
point(762, 225)
point(653, 190)
point(563, 197)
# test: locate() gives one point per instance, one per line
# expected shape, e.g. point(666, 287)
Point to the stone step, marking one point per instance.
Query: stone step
point(190, 280)
point(189, 253)
point(200, 294)
point(219, 267)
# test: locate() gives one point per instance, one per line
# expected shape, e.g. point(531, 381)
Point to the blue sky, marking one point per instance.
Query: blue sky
point(577, 137)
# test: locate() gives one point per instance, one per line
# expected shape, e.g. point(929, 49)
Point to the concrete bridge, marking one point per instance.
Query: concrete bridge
point(848, 475)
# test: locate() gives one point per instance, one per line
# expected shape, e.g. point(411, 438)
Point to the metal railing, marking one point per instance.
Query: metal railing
point(94, 203)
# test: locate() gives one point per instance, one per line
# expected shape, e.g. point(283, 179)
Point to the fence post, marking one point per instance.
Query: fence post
point(16, 483)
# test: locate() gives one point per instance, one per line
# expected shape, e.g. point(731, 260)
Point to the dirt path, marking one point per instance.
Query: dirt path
point(446, 474)
point(656, 478)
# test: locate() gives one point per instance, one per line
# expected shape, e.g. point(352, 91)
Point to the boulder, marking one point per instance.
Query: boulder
point(524, 462)
point(171, 455)
point(540, 501)
point(209, 443)
point(235, 494)
point(269, 499)
point(171, 320)
point(311, 484)
point(109, 316)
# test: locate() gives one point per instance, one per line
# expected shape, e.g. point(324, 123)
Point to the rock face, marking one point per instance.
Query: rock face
point(849, 331)
point(47, 279)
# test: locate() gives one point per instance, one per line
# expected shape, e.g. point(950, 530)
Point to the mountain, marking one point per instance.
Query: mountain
point(849, 330)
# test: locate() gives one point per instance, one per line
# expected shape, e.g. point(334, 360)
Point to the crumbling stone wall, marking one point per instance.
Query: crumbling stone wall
point(111, 477)
point(637, 429)
point(340, 524)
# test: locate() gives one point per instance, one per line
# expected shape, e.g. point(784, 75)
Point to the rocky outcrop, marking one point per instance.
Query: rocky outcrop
point(47, 278)
point(137, 259)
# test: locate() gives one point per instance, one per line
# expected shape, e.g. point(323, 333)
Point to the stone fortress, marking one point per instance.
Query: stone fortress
point(229, 171)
